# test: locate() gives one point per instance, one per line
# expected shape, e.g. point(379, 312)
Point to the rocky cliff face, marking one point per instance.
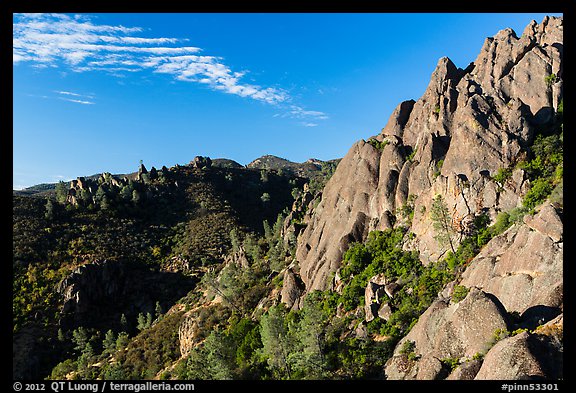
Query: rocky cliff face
point(516, 283)
point(98, 293)
point(468, 124)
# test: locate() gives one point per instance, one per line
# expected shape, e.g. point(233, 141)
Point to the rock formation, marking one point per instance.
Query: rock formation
point(201, 162)
point(468, 124)
point(97, 293)
point(448, 330)
point(519, 272)
point(523, 268)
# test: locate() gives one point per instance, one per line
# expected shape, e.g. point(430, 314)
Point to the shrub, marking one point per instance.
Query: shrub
point(550, 79)
point(459, 293)
point(376, 144)
point(539, 191)
point(439, 165)
point(502, 223)
point(478, 356)
point(410, 156)
point(407, 347)
point(502, 175)
point(451, 363)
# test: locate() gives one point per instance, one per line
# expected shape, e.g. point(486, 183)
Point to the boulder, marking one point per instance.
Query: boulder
point(291, 289)
point(523, 356)
point(466, 370)
point(385, 311)
point(391, 289)
point(444, 330)
point(546, 222)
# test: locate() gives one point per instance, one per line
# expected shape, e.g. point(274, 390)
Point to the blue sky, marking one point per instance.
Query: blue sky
point(100, 92)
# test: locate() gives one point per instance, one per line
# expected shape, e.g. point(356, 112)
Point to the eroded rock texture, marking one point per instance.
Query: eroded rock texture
point(468, 124)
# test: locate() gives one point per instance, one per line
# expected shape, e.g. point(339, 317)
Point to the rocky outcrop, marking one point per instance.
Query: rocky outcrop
point(523, 268)
point(377, 294)
point(523, 356)
point(201, 162)
point(187, 334)
point(448, 330)
point(521, 272)
point(291, 289)
point(349, 209)
point(238, 257)
point(468, 124)
point(97, 294)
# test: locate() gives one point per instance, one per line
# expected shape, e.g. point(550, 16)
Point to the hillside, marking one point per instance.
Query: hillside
point(432, 250)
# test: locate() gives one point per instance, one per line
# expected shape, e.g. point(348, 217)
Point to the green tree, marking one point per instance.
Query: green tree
point(61, 192)
point(84, 197)
point(109, 343)
point(265, 197)
point(275, 343)
point(49, 210)
point(123, 323)
point(105, 203)
point(80, 339)
point(122, 340)
point(141, 322)
point(100, 194)
point(136, 197)
point(126, 192)
point(61, 336)
point(442, 222)
point(308, 357)
point(219, 356)
point(264, 175)
point(235, 240)
point(158, 310)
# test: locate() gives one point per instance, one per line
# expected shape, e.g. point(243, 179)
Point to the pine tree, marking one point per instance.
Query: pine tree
point(136, 197)
point(61, 192)
point(109, 342)
point(80, 339)
point(100, 193)
point(141, 322)
point(122, 340)
point(219, 357)
point(442, 222)
point(126, 192)
point(49, 210)
point(61, 336)
point(275, 342)
point(308, 335)
point(265, 197)
point(123, 323)
point(158, 310)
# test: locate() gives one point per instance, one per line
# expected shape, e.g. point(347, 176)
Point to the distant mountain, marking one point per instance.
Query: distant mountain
point(311, 169)
point(226, 163)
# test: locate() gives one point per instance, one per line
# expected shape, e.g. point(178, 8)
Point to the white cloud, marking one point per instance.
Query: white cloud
point(77, 101)
point(309, 124)
point(301, 113)
point(57, 40)
point(83, 99)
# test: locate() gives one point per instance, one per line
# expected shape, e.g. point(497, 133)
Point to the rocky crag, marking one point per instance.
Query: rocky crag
point(452, 141)
point(470, 125)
